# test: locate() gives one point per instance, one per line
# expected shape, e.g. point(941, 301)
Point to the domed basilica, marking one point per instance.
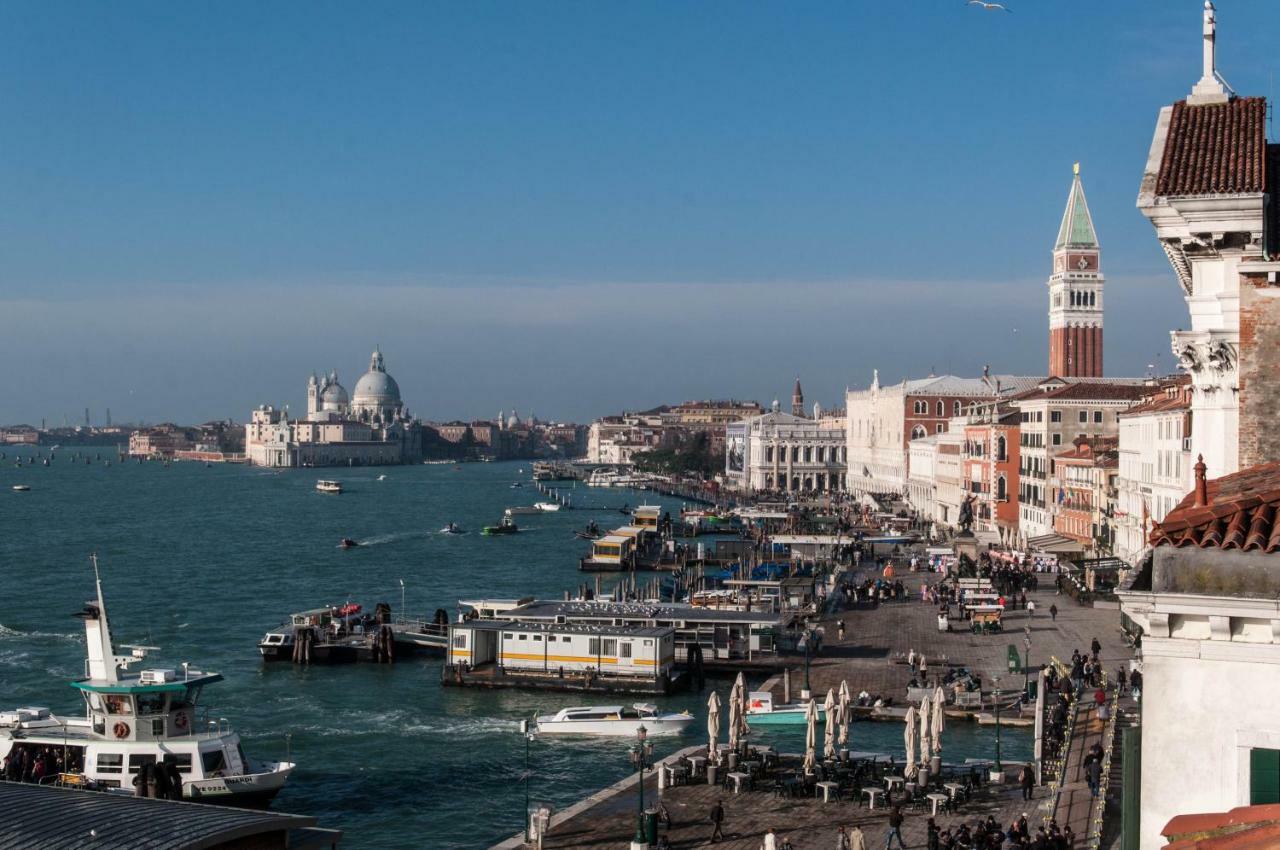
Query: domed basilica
point(371, 426)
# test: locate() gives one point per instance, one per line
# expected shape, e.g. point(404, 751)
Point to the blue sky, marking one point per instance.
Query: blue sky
point(569, 207)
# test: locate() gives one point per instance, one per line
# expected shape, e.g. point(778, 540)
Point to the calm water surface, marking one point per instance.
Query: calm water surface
point(202, 560)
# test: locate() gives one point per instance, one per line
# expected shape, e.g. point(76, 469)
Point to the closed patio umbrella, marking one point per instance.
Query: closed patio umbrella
point(926, 714)
point(810, 734)
point(740, 686)
point(844, 712)
point(733, 720)
point(829, 728)
point(909, 739)
point(713, 723)
point(939, 700)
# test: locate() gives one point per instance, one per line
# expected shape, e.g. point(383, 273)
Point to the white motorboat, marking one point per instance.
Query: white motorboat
point(613, 720)
point(523, 510)
point(547, 507)
point(21, 488)
point(132, 720)
point(329, 486)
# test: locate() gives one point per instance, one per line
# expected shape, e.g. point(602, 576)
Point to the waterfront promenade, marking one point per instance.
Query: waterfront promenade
point(867, 658)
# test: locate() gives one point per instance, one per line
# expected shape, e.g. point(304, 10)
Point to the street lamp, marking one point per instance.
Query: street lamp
point(1026, 661)
point(641, 757)
point(808, 639)
point(527, 732)
point(997, 766)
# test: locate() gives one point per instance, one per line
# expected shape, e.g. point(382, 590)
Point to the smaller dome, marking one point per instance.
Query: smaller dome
point(334, 394)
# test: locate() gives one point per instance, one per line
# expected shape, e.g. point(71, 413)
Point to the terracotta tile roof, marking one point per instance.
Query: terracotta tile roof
point(1086, 392)
point(1242, 828)
point(1215, 149)
point(1240, 512)
point(1169, 397)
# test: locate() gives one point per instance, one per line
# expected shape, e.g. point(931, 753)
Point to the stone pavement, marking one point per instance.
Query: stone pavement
point(875, 638)
point(809, 823)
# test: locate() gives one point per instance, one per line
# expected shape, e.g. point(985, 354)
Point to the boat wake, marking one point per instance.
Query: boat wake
point(6, 632)
point(382, 539)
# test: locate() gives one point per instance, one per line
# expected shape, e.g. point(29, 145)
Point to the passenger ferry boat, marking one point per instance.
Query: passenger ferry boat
point(608, 720)
point(762, 712)
point(133, 719)
point(329, 486)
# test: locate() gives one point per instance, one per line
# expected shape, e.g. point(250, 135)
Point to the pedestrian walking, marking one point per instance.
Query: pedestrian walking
point(1093, 775)
point(840, 630)
point(1053, 612)
point(717, 818)
point(857, 841)
point(842, 840)
point(1031, 608)
point(770, 841)
point(895, 829)
point(1027, 780)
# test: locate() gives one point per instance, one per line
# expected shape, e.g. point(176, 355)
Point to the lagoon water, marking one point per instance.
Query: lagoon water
point(200, 561)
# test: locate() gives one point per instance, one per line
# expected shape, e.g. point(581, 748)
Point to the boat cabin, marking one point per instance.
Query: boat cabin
point(515, 647)
point(612, 549)
point(647, 517)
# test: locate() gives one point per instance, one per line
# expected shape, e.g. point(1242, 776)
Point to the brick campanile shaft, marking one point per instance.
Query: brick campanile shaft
point(1075, 293)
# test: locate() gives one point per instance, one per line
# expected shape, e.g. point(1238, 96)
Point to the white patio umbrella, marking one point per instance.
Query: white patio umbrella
point(939, 700)
point(909, 739)
point(733, 720)
point(740, 687)
point(926, 714)
point(713, 723)
point(829, 728)
point(810, 734)
point(845, 699)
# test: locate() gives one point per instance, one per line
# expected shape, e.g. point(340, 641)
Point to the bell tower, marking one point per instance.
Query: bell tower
point(1075, 293)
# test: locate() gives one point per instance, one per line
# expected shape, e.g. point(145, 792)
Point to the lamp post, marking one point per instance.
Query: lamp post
point(527, 733)
point(808, 638)
point(1026, 661)
point(997, 766)
point(641, 754)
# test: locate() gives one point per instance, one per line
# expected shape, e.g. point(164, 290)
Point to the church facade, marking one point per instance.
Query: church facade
point(371, 426)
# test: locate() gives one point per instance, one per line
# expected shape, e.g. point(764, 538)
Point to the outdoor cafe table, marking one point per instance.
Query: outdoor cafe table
point(752, 767)
point(891, 782)
point(699, 764)
point(953, 788)
point(936, 799)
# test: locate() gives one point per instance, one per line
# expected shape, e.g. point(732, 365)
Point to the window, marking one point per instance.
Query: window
point(609, 647)
point(624, 651)
point(768, 454)
point(213, 762)
point(460, 641)
point(1264, 776)
point(940, 427)
point(110, 763)
point(648, 642)
point(508, 635)
point(593, 646)
point(538, 638)
point(1097, 417)
point(182, 761)
point(524, 637)
point(137, 760)
point(942, 409)
point(957, 408)
point(917, 432)
point(1057, 439)
point(1055, 415)
point(117, 704)
point(1084, 417)
point(1002, 449)
point(150, 703)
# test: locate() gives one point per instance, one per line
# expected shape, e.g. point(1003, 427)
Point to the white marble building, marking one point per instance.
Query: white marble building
point(1155, 465)
point(781, 451)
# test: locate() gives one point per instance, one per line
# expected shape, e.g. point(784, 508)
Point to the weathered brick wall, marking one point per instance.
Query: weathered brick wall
point(1259, 370)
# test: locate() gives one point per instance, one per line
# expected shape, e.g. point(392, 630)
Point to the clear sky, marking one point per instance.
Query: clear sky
point(569, 208)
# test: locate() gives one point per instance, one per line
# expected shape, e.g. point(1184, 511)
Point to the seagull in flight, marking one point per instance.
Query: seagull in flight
point(990, 7)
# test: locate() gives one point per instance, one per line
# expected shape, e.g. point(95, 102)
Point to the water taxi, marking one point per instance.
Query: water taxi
point(507, 526)
point(328, 486)
point(546, 507)
point(136, 721)
point(21, 488)
point(613, 720)
point(762, 712)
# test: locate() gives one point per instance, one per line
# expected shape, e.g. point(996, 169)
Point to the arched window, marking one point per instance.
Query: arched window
point(1002, 489)
point(768, 454)
point(958, 408)
point(1001, 449)
point(917, 432)
point(942, 409)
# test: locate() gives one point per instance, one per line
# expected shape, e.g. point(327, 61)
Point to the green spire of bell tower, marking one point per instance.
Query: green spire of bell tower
point(1077, 225)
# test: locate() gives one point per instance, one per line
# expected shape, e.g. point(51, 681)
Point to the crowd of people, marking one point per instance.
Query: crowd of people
point(39, 763)
point(988, 835)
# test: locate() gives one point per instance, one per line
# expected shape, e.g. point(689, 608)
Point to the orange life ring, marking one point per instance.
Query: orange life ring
point(121, 730)
point(180, 720)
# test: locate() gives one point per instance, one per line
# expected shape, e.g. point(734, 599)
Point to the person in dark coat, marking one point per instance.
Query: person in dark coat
point(142, 782)
point(160, 782)
point(717, 818)
point(175, 781)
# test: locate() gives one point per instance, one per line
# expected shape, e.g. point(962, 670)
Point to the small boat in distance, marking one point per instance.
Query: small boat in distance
point(507, 526)
point(547, 507)
point(452, 528)
point(348, 543)
point(516, 485)
point(762, 712)
point(522, 509)
point(613, 720)
point(21, 488)
point(329, 486)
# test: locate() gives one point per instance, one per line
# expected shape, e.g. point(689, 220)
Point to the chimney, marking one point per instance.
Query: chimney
point(1202, 486)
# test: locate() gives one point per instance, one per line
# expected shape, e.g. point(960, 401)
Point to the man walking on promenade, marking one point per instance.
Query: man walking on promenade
point(895, 829)
point(717, 818)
